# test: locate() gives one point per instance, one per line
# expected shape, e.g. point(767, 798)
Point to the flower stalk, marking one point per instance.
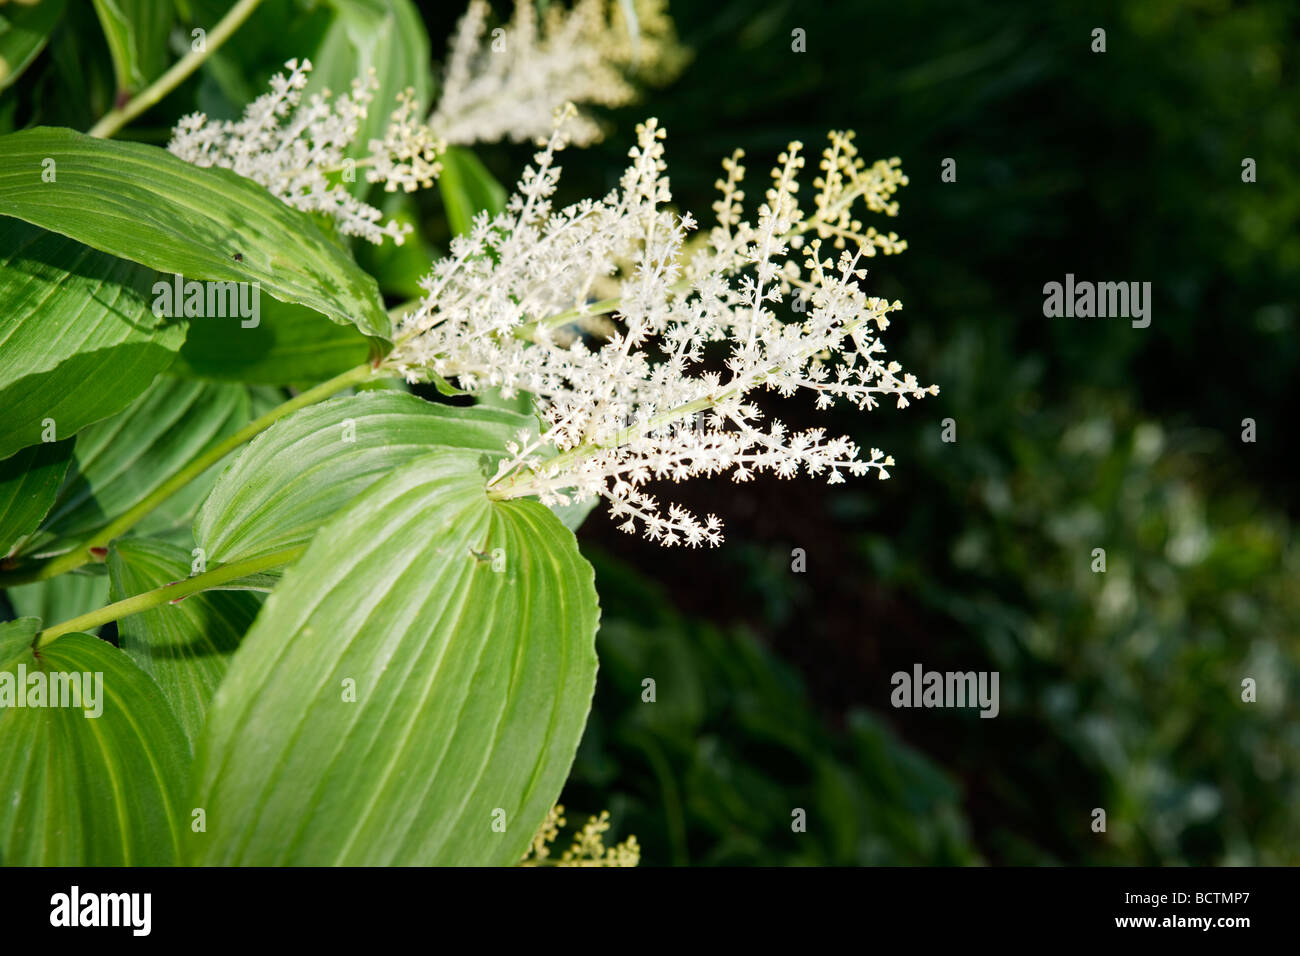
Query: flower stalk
point(110, 123)
point(171, 593)
point(93, 549)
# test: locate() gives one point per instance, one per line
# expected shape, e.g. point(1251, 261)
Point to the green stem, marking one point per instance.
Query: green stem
point(170, 593)
point(83, 554)
point(603, 307)
point(113, 121)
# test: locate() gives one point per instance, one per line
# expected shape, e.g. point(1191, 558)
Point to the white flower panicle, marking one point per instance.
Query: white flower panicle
point(510, 308)
point(293, 148)
point(407, 157)
point(510, 82)
point(507, 84)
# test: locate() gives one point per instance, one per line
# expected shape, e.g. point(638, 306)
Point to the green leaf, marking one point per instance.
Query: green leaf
point(184, 647)
point(81, 790)
point(521, 402)
point(62, 598)
point(124, 459)
point(136, 31)
point(472, 685)
point(144, 204)
point(29, 482)
point(467, 189)
point(304, 469)
point(77, 339)
point(290, 344)
point(387, 36)
point(23, 32)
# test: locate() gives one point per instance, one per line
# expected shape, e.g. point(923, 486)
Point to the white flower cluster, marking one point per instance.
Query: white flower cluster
point(637, 398)
point(509, 83)
point(292, 148)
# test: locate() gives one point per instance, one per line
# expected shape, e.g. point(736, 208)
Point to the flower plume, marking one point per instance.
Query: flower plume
point(292, 147)
point(508, 84)
point(625, 386)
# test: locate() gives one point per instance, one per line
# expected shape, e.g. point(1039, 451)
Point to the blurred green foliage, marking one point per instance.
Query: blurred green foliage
point(724, 761)
point(1124, 688)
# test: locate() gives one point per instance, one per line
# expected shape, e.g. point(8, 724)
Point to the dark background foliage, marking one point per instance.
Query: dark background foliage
point(1119, 690)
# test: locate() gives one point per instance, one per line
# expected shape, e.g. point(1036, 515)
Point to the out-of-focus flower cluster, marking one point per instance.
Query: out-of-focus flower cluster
point(632, 398)
point(504, 84)
point(588, 848)
point(508, 84)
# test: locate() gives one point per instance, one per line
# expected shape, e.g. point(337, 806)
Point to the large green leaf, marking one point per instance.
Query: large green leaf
point(136, 31)
point(291, 344)
point(141, 203)
point(88, 790)
point(386, 36)
point(77, 339)
point(29, 482)
point(467, 629)
point(185, 646)
point(123, 459)
point(303, 470)
point(23, 31)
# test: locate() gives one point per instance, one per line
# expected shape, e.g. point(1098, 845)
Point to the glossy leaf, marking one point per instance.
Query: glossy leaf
point(73, 321)
point(29, 482)
point(78, 790)
point(144, 204)
point(290, 344)
point(305, 469)
point(184, 647)
point(120, 461)
point(464, 631)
